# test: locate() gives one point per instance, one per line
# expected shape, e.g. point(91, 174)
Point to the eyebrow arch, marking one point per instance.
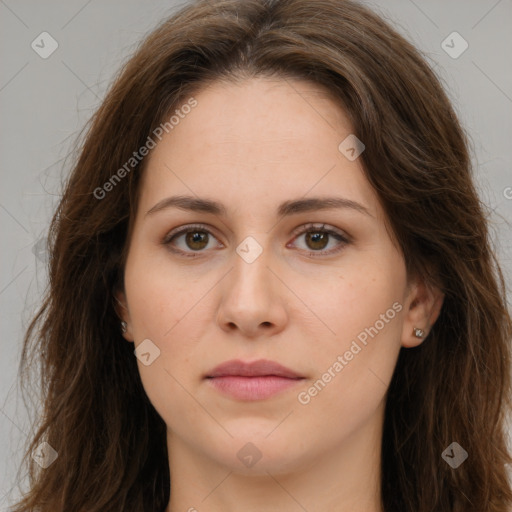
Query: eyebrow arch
point(286, 208)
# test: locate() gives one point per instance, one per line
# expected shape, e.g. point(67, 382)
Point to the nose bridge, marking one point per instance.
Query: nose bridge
point(251, 261)
point(250, 297)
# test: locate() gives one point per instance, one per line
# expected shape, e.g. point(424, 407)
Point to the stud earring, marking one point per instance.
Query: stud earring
point(124, 327)
point(419, 333)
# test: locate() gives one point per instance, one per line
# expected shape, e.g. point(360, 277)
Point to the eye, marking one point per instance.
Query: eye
point(318, 237)
point(194, 238)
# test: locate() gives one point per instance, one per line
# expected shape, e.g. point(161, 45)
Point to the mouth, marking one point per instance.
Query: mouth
point(257, 380)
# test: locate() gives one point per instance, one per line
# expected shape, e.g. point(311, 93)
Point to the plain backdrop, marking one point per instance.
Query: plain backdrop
point(44, 102)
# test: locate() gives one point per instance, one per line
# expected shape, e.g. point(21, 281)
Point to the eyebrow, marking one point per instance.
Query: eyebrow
point(196, 204)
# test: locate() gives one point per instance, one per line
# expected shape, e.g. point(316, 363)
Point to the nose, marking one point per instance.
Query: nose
point(252, 298)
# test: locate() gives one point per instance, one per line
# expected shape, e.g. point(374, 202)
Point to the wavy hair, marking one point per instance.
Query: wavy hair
point(455, 386)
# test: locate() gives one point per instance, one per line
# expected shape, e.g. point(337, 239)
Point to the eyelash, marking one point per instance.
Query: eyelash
point(308, 228)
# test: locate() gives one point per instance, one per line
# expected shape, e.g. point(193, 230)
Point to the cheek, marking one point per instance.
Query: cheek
point(354, 367)
point(362, 312)
point(158, 312)
point(158, 295)
point(354, 298)
point(164, 305)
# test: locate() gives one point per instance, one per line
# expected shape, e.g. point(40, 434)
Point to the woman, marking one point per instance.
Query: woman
point(271, 281)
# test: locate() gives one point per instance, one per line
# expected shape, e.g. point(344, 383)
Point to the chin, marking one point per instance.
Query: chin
point(248, 453)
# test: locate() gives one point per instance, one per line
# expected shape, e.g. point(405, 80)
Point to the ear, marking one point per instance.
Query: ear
point(121, 309)
point(422, 308)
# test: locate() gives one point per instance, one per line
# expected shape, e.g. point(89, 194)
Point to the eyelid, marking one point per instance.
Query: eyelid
point(321, 226)
point(186, 228)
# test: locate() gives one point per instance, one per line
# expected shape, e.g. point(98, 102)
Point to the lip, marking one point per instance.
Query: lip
point(256, 380)
point(259, 368)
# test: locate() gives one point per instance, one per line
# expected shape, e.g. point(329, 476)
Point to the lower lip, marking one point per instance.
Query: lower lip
point(252, 388)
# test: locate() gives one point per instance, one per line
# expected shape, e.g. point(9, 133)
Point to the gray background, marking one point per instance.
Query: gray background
point(45, 102)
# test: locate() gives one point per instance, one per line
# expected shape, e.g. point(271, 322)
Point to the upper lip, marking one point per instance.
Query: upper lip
point(260, 368)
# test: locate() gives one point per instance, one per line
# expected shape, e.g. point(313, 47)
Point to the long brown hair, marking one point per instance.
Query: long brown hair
point(454, 387)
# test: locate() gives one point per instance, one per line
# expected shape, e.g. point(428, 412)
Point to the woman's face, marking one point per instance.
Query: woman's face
point(272, 273)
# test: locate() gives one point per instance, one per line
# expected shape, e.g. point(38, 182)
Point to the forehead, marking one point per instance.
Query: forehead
point(259, 109)
point(260, 138)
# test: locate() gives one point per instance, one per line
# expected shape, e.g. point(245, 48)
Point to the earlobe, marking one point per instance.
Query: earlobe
point(424, 307)
point(123, 314)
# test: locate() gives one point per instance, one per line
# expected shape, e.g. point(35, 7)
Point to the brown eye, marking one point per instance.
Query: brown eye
point(190, 241)
point(196, 240)
point(317, 240)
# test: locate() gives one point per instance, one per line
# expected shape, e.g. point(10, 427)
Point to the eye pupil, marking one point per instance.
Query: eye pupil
point(316, 237)
point(197, 237)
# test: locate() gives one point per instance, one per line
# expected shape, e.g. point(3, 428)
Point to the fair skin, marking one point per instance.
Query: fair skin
point(251, 147)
